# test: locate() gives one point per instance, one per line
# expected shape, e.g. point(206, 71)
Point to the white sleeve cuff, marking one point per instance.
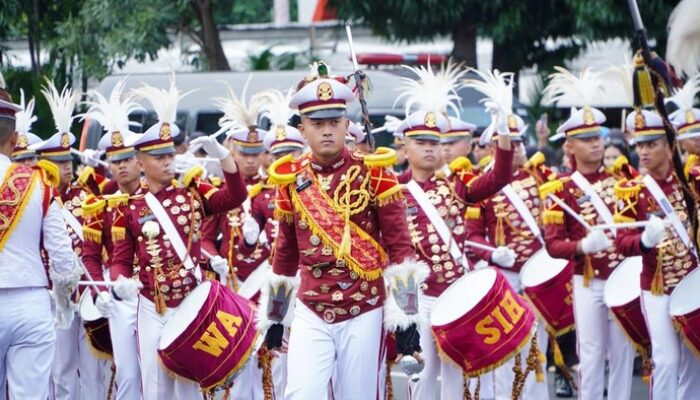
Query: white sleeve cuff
point(401, 306)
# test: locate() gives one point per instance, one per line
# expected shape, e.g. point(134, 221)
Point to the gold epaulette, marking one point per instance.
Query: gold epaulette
point(195, 172)
point(383, 157)
point(628, 190)
point(461, 164)
point(93, 205)
point(691, 164)
point(255, 190)
point(51, 173)
point(284, 170)
point(552, 217)
point(536, 160)
point(86, 174)
point(485, 161)
point(215, 180)
point(551, 187)
point(473, 213)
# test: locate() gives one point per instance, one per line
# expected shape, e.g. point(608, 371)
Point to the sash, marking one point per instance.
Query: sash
point(73, 222)
point(169, 228)
point(366, 257)
point(17, 185)
point(437, 222)
point(666, 207)
point(524, 212)
point(600, 207)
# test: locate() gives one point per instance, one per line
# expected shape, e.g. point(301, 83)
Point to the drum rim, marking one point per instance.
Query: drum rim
point(675, 309)
point(527, 263)
point(608, 289)
point(168, 331)
point(88, 306)
point(453, 286)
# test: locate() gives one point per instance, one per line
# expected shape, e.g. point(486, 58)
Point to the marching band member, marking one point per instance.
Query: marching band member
point(76, 369)
point(588, 191)
point(334, 208)
point(457, 141)
point(508, 220)
point(668, 253)
point(27, 333)
point(436, 205)
point(98, 215)
point(24, 119)
point(161, 228)
point(687, 122)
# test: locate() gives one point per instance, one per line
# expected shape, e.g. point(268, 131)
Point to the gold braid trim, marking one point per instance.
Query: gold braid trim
point(473, 213)
point(552, 217)
point(19, 210)
point(283, 216)
point(587, 270)
point(657, 282)
point(389, 196)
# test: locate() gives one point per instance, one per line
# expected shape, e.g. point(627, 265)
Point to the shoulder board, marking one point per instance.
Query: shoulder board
point(284, 170)
point(255, 190)
point(51, 172)
point(461, 164)
point(626, 189)
point(383, 157)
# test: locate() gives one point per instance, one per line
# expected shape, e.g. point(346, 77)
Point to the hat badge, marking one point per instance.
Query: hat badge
point(639, 121)
point(430, 120)
point(324, 91)
point(280, 133)
point(588, 117)
point(252, 136)
point(690, 117)
point(117, 139)
point(165, 132)
point(22, 141)
point(65, 140)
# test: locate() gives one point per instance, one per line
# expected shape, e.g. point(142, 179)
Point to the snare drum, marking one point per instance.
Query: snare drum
point(547, 283)
point(684, 307)
point(622, 294)
point(96, 327)
point(480, 322)
point(210, 336)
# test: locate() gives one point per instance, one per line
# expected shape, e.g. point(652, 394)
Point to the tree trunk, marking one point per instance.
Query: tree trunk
point(505, 59)
point(281, 12)
point(211, 48)
point(464, 47)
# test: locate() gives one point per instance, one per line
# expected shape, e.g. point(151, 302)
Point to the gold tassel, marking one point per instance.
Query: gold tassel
point(643, 87)
point(587, 271)
point(158, 298)
point(265, 363)
point(118, 233)
point(657, 282)
point(465, 386)
point(556, 352)
point(345, 244)
point(500, 239)
point(552, 217)
point(388, 384)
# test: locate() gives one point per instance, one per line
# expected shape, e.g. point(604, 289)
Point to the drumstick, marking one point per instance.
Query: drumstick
point(479, 245)
point(621, 225)
point(571, 212)
point(222, 278)
point(96, 283)
point(80, 153)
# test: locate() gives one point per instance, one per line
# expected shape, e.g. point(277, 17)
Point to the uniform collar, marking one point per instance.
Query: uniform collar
point(332, 167)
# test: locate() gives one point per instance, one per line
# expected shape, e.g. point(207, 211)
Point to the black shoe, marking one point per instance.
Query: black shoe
point(562, 388)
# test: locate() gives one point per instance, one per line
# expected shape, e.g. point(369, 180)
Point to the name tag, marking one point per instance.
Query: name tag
point(583, 199)
point(412, 210)
point(303, 186)
point(146, 218)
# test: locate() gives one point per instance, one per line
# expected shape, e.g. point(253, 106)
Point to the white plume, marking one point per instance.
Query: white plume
point(62, 105)
point(435, 92)
point(164, 102)
point(684, 98)
point(620, 76)
point(496, 86)
point(238, 114)
point(683, 46)
point(275, 106)
point(582, 90)
point(25, 117)
point(2, 81)
point(112, 113)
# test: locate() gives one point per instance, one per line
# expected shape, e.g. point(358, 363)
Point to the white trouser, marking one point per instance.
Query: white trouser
point(504, 375)
point(452, 382)
point(76, 371)
point(248, 384)
point(598, 336)
point(676, 373)
point(316, 348)
point(155, 381)
point(27, 342)
point(122, 329)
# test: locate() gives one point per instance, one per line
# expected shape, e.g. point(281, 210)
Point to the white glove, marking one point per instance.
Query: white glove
point(104, 304)
point(219, 265)
point(654, 232)
point(503, 256)
point(211, 146)
point(64, 313)
point(595, 242)
point(251, 230)
point(126, 289)
point(91, 157)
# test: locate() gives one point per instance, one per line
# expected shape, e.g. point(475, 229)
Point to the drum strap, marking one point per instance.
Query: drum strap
point(600, 207)
point(73, 222)
point(170, 231)
point(666, 207)
point(524, 212)
point(437, 222)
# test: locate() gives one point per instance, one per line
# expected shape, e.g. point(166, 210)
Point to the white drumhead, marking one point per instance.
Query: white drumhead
point(624, 284)
point(686, 296)
point(184, 314)
point(462, 296)
point(87, 310)
point(540, 268)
